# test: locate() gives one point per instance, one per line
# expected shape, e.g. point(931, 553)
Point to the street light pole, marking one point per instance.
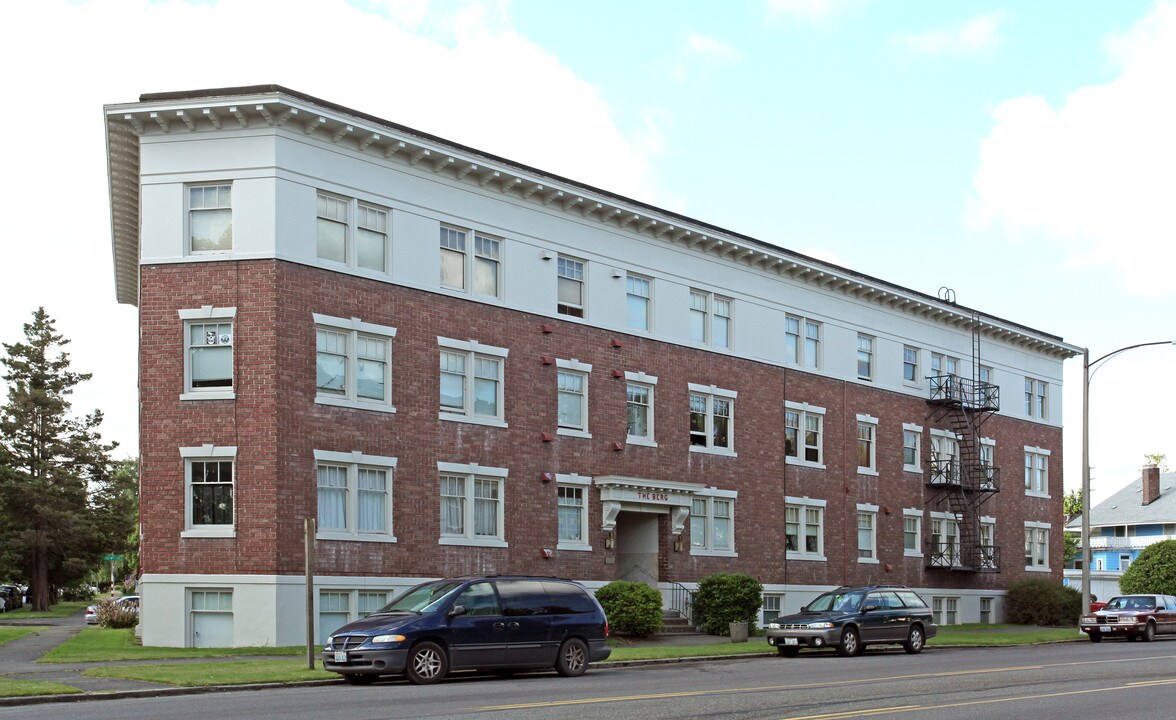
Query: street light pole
point(1088, 369)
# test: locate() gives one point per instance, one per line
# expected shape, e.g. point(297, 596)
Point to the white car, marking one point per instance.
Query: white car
point(131, 602)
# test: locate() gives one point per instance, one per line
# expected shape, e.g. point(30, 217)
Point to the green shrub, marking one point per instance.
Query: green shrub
point(80, 593)
point(1154, 571)
point(113, 615)
point(632, 608)
point(724, 598)
point(1042, 602)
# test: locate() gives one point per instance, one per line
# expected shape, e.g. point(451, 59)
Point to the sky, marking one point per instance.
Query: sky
point(1021, 154)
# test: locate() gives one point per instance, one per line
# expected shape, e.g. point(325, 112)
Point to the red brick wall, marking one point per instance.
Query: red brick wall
point(277, 431)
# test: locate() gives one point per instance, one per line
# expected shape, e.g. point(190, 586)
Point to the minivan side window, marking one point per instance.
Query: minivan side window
point(568, 599)
point(478, 599)
point(522, 597)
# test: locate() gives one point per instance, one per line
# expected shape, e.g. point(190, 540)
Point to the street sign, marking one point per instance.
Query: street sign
point(112, 558)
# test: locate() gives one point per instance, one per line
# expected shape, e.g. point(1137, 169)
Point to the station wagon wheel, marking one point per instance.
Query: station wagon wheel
point(427, 663)
point(573, 658)
point(915, 640)
point(356, 679)
point(786, 651)
point(851, 643)
point(1149, 632)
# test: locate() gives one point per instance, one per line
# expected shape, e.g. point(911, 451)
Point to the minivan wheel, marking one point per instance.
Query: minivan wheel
point(355, 679)
point(914, 643)
point(573, 658)
point(427, 663)
point(851, 643)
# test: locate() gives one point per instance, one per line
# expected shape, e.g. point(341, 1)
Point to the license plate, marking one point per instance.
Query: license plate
point(1104, 628)
point(791, 641)
point(341, 657)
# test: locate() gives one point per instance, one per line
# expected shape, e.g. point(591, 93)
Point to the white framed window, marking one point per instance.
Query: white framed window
point(639, 393)
point(570, 291)
point(804, 528)
point(472, 505)
point(867, 444)
point(944, 364)
point(353, 363)
point(471, 382)
point(1036, 398)
point(210, 218)
point(712, 419)
point(986, 375)
point(1037, 546)
point(912, 448)
point(802, 341)
point(945, 540)
point(208, 353)
point(988, 542)
point(572, 509)
point(946, 610)
point(986, 610)
point(771, 608)
point(1037, 471)
point(910, 364)
point(354, 496)
point(371, 238)
point(987, 464)
point(865, 357)
point(210, 617)
point(804, 434)
point(912, 532)
point(476, 269)
point(639, 302)
point(332, 228)
point(867, 533)
point(945, 457)
point(339, 606)
point(209, 480)
point(572, 392)
point(710, 319)
point(712, 523)
point(351, 233)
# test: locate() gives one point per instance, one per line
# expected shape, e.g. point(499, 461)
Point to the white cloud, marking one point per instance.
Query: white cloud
point(483, 85)
point(812, 10)
point(968, 37)
point(699, 56)
point(1095, 176)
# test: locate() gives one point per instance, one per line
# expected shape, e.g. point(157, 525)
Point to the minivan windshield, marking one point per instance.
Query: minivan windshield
point(836, 601)
point(422, 598)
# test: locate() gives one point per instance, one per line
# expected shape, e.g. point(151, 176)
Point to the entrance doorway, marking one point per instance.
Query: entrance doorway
point(637, 547)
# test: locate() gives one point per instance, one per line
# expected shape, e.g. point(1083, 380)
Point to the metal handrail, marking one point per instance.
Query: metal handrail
point(681, 600)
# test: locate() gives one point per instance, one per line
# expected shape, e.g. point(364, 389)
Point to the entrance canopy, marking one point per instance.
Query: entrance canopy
point(652, 496)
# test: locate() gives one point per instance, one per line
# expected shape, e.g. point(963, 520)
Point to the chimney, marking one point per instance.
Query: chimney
point(1151, 484)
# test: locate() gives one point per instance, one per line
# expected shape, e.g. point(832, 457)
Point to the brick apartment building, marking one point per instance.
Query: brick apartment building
point(459, 364)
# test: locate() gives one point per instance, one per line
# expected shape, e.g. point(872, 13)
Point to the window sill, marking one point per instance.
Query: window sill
point(912, 469)
point(867, 561)
point(218, 395)
point(867, 471)
point(912, 553)
point(472, 542)
point(474, 420)
point(574, 547)
point(702, 552)
point(804, 556)
point(643, 442)
point(219, 532)
point(1036, 569)
point(1031, 493)
point(355, 537)
point(572, 432)
point(353, 404)
point(713, 451)
point(803, 463)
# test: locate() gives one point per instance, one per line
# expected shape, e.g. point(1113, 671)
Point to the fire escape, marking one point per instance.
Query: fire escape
point(961, 482)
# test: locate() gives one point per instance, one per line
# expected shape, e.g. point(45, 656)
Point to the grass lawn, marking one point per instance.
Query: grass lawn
point(16, 688)
point(12, 632)
point(977, 634)
point(653, 652)
point(98, 644)
point(60, 610)
point(222, 673)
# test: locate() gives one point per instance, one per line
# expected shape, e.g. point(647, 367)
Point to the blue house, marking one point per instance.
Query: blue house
point(1143, 512)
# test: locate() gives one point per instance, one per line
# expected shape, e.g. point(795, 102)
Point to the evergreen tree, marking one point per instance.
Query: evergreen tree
point(49, 462)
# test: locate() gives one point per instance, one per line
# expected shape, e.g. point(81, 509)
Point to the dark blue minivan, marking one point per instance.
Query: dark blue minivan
point(497, 623)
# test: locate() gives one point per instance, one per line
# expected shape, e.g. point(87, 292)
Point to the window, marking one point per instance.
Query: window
point(985, 377)
point(458, 263)
point(340, 219)
point(867, 430)
point(208, 353)
point(867, 533)
point(211, 619)
point(945, 541)
point(987, 543)
point(571, 287)
point(771, 608)
point(572, 381)
point(353, 363)
point(639, 299)
point(711, 526)
point(711, 419)
point(912, 531)
point(354, 496)
point(988, 473)
point(1037, 471)
point(986, 611)
point(912, 442)
point(471, 505)
point(572, 498)
point(910, 364)
point(1037, 546)
point(471, 382)
point(945, 458)
point(639, 408)
point(804, 533)
point(802, 349)
point(210, 218)
point(710, 319)
point(946, 610)
point(1036, 398)
point(209, 477)
point(865, 357)
point(332, 228)
point(334, 612)
point(803, 434)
